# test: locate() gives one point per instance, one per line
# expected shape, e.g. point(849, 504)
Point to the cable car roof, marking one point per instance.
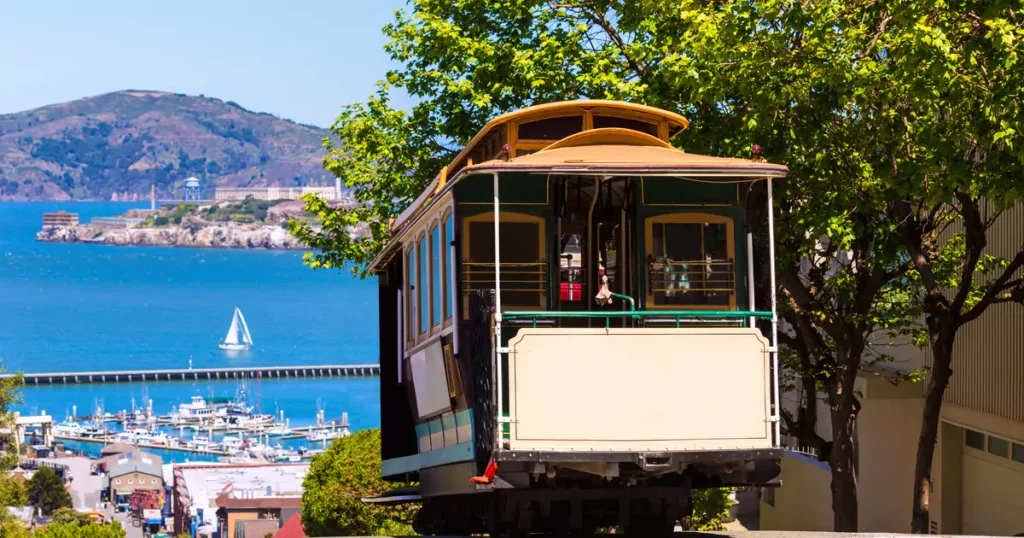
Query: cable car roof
point(622, 151)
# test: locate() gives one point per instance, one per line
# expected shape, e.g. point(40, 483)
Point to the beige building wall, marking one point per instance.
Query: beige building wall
point(132, 481)
point(804, 502)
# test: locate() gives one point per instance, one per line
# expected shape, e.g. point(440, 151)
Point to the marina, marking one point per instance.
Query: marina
point(197, 374)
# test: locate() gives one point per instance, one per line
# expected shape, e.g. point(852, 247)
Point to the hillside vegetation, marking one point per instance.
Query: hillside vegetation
point(123, 142)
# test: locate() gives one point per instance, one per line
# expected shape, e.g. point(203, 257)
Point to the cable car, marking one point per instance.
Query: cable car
point(568, 332)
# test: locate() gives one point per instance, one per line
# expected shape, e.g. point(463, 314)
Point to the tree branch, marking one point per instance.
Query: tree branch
point(974, 245)
point(1001, 284)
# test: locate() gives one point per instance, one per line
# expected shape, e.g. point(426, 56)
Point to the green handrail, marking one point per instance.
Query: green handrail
point(677, 315)
point(710, 314)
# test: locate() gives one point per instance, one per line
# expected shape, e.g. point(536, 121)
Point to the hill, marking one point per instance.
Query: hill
point(125, 141)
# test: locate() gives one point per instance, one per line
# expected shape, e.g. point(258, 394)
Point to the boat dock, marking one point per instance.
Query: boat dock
point(110, 439)
point(197, 374)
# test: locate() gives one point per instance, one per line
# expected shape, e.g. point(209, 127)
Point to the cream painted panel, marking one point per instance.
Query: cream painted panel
point(639, 389)
point(428, 380)
point(993, 494)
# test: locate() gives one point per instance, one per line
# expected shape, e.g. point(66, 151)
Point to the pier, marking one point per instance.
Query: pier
point(201, 374)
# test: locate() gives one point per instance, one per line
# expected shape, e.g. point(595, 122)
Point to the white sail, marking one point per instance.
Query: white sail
point(232, 337)
point(246, 337)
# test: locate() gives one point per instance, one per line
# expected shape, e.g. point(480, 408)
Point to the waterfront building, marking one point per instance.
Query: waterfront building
point(197, 487)
point(237, 194)
point(60, 218)
point(134, 474)
point(240, 513)
point(115, 222)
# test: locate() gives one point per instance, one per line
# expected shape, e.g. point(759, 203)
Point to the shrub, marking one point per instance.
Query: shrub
point(70, 516)
point(337, 482)
point(709, 507)
point(92, 530)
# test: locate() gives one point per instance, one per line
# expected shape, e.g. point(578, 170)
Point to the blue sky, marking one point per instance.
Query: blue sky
point(299, 59)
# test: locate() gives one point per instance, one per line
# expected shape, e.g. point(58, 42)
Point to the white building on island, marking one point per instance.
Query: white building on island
point(234, 194)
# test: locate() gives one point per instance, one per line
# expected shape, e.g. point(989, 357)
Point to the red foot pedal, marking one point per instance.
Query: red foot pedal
point(488, 476)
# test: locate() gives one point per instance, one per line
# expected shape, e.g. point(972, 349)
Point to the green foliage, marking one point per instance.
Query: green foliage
point(338, 479)
point(710, 506)
point(12, 527)
point(46, 491)
point(12, 491)
point(70, 516)
point(248, 210)
point(73, 530)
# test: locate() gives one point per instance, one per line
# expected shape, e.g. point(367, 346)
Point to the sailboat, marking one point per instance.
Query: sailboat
point(238, 338)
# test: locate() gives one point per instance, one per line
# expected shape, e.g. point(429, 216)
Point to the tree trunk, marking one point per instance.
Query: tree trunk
point(942, 357)
point(842, 460)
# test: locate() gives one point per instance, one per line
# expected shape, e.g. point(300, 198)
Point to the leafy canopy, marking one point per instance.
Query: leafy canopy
point(337, 482)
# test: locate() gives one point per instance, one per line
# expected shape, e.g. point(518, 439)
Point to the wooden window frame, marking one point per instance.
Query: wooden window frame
point(504, 216)
point(421, 240)
point(411, 307)
point(448, 300)
point(517, 143)
point(687, 218)
point(436, 273)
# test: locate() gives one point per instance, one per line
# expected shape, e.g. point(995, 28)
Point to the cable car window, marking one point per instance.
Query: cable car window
point(690, 263)
point(410, 293)
point(551, 128)
point(449, 236)
point(437, 272)
point(424, 277)
point(625, 123)
point(523, 267)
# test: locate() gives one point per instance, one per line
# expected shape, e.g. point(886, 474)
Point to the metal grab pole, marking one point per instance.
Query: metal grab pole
point(498, 355)
point(775, 317)
point(750, 277)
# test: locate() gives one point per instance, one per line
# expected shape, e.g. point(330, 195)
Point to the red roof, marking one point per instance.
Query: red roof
point(292, 528)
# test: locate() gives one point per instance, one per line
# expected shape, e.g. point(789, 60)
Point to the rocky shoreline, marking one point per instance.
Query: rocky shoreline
point(221, 235)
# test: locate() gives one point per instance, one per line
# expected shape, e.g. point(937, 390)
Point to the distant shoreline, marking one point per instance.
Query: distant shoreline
point(227, 235)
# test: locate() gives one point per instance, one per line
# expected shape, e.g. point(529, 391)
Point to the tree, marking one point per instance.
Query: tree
point(70, 516)
point(966, 169)
point(12, 493)
point(337, 482)
point(46, 491)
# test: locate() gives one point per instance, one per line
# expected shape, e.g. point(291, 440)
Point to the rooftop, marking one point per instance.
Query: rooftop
point(204, 483)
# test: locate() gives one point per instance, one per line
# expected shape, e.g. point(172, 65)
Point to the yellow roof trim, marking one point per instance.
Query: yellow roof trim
point(543, 109)
point(608, 136)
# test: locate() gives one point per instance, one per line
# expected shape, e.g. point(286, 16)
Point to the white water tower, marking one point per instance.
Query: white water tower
point(193, 192)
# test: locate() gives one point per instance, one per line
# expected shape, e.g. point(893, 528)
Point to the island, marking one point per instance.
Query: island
point(249, 223)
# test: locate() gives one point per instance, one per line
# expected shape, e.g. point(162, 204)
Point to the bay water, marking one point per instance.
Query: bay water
point(80, 307)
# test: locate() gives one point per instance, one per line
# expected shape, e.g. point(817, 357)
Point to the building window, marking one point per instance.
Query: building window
point(449, 237)
point(437, 274)
point(974, 439)
point(690, 261)
point(423, 295)
point(999, 447)
point(117, 481)
point(1018, 453)
point(154, 481)
point(130, 481)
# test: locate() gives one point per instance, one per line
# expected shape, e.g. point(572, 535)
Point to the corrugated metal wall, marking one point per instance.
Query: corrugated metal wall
point(988, 361)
